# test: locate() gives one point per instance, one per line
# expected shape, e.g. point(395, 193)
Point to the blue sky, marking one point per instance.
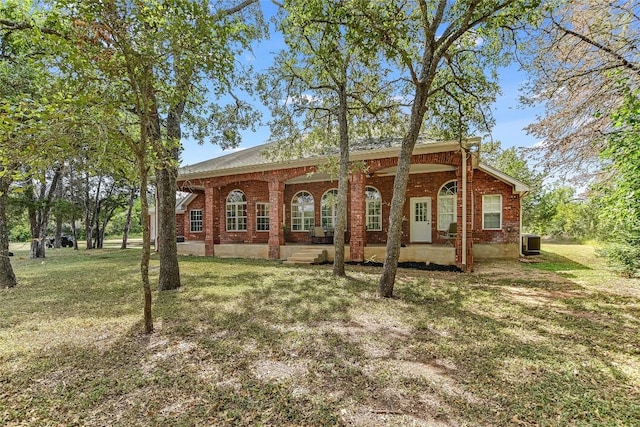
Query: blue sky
point(509, 115)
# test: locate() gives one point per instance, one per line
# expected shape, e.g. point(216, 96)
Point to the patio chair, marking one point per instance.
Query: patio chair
point(450, 233)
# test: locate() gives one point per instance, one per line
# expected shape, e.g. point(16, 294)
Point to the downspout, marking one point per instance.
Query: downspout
point(464, 209)
point(522, 194)
point(520, 236)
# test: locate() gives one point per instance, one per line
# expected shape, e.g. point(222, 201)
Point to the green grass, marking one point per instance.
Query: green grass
point(550, 343)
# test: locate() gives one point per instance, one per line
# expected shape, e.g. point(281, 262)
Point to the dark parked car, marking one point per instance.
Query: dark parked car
point(65, 242)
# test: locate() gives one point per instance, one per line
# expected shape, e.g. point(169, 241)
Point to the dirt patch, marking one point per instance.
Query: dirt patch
point(275, 370)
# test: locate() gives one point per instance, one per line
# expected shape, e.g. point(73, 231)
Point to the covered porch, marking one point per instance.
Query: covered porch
point(272, 211)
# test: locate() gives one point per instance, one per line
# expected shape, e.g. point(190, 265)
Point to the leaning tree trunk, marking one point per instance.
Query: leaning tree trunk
point(343, 184)
point(394, 234)
point(7, 276)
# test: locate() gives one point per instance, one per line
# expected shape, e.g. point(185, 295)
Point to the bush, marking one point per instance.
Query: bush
point(19, 233)
point(624, 258)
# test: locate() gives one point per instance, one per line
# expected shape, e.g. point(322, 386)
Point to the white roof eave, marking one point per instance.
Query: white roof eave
point(518, 186)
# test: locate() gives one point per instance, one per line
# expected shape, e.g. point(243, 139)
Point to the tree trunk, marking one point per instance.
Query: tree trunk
point(394, 234)
point(107, 217)
point(96, 231)
point(74, 231)
point(343, 185)
point(166, 210)
point(146, 244)
point(167, 246)
point(127, 224)
point(39, 208)
point(58, 235)
point(91, 212)
point(7, 276)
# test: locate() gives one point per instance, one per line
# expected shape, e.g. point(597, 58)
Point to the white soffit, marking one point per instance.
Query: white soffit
point(416, 168)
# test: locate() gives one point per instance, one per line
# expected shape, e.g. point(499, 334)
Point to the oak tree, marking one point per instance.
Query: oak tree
point(326, 87)
point(447, 53)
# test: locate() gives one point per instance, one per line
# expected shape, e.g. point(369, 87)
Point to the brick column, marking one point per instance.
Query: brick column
point(459, 215)
point(358, 217)
point(276, 232)
point(470, 214)
point(465, 218)
point(211, 207)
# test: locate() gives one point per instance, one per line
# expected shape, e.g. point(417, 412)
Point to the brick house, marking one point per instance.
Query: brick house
point(243, 204)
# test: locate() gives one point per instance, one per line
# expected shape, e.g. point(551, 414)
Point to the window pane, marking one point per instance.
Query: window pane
point(491, 220)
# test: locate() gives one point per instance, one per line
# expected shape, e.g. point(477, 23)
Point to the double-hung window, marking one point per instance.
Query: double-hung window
point(492, 212)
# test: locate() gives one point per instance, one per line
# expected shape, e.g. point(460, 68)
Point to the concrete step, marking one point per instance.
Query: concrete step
point(307, 256)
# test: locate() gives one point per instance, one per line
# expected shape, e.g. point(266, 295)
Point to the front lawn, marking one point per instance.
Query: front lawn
point(551, 343)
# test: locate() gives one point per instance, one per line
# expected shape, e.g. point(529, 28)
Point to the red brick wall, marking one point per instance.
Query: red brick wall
point(180, 218)
point(485, 184)
point(197, 203)
point(256, 190)
point(419, 185)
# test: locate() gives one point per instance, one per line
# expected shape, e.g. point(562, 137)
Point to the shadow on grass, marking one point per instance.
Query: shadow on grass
point(558, 263)
point(273, 345)
point(555, 343)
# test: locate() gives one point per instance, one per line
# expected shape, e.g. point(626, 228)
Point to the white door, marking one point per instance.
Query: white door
point(421, 219)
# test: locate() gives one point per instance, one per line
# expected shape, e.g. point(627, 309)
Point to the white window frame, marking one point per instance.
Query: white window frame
point(370, 203)
point(330, 224)
point(486, 204)
point(236, 209)
point(197, 221)
point(262, 217)
point(445, 195)
point(306, 217)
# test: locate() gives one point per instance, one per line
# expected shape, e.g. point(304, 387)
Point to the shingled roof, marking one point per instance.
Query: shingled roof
point(255, 157)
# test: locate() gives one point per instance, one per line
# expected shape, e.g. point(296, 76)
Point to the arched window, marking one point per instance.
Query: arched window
point(328, 209)
point(236, 211)
point(302, 211)
point(374, 209)
point(447, 197)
